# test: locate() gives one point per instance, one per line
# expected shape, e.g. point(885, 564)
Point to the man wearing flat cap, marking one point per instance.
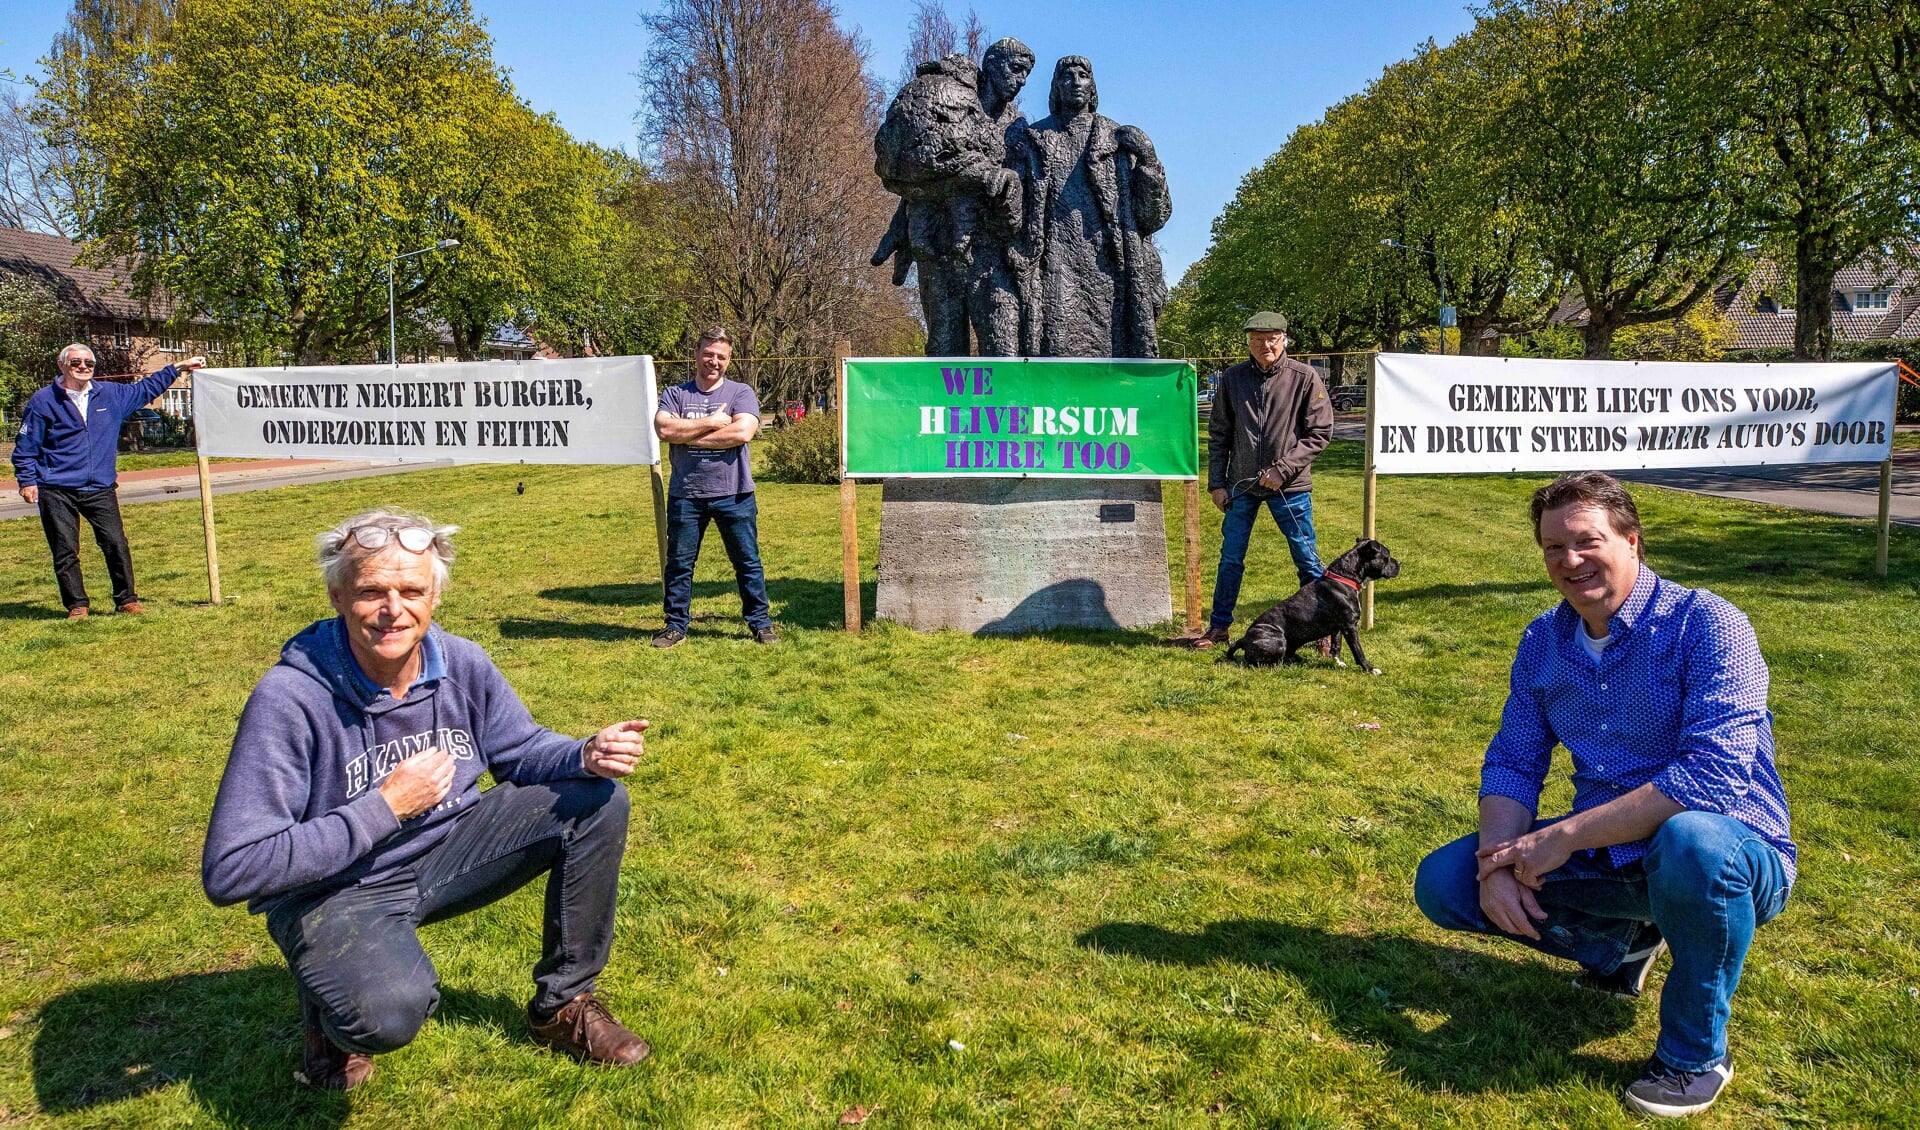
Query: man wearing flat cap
point(1271, 417)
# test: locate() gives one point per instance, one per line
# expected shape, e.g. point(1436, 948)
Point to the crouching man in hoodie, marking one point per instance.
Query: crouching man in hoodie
point(351, 812)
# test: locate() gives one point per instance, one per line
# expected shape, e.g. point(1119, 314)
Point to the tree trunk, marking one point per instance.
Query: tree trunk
point(1598, 334)
point(1813, 271)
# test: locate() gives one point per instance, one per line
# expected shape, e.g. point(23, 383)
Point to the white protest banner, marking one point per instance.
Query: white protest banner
point(1477, 414)
point(579, 410)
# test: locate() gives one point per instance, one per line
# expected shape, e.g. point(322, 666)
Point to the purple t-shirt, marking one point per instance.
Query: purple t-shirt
point(697, 471)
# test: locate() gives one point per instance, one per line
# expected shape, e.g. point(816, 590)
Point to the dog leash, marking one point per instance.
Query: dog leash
point(1290, 525)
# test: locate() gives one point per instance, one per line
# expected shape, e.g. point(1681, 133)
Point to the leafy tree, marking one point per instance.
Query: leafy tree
point(33, 327)
point(1832, 178)
point(264, 165)
point(1620, 160)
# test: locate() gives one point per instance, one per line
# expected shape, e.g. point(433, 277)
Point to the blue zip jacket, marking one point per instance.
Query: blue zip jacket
point(57, 448)
point(299, 806)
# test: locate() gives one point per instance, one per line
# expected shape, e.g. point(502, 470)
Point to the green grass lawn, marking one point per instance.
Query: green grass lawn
point(173, 457)
point(1062, 880)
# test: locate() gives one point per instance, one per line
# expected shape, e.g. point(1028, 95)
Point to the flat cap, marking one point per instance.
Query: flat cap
point(1267, 321)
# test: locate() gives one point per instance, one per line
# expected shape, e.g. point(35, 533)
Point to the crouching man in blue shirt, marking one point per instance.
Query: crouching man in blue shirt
point(1678, 837)
point(351, 812)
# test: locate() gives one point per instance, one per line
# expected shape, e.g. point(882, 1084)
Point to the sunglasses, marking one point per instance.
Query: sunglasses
point(78, 364)
point(413, 539)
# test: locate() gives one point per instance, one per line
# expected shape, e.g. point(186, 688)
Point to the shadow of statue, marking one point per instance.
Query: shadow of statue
point(1078, 601)
point(1447, 1017)
point(232, 1037)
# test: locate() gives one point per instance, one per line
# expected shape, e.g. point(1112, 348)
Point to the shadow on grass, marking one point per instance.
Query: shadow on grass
point(797, 601)
point(520, 628)
point(1448, 1018)
point(232, 1037)
point(27, 610)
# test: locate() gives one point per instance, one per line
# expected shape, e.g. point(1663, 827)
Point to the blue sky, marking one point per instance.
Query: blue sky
point(1217, 86)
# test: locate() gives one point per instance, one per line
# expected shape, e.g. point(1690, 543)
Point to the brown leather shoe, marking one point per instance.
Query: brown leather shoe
point(77, 612)
point(326, 1065)
point(585, 1030)
point(1208, 638)
point(132, 608)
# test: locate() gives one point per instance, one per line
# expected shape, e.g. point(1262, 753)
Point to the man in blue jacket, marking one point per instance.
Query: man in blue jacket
point(351, 813)
point(64, 462)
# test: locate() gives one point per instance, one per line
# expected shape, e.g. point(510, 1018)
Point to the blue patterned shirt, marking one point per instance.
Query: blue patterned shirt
point(1679, 698)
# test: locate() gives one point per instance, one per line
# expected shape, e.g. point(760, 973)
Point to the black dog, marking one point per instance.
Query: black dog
point(1329, 606)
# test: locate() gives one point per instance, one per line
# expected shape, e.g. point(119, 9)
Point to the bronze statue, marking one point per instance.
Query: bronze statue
point(1037, 239)
point(1095, 194)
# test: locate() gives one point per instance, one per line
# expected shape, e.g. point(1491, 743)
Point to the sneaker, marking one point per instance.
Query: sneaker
point(1668, 1092)
point(1630, 979)
point(669, 637)
point(766, 635)
point(585, 1030)
point(77, 612)
point(1208, 638)
point(132, 608)
point(324, 1064)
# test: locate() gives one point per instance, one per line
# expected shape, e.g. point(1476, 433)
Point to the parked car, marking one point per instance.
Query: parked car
point(1347, 398)
point(145, 426)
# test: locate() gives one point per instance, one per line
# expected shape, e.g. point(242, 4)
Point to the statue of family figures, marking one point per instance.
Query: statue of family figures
point(1037, 238)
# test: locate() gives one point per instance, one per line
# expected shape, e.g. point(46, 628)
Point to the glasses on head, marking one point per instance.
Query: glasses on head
point(80, 363)
point(413, 539)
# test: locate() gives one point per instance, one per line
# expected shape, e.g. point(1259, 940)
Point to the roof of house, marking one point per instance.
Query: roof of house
point(99, 292)
point(1768, 329)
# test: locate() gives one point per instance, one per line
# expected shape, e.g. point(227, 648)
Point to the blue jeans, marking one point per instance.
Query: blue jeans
point(1707, 881)
point(737, 515)
point(1293, 513)
point(356, 952)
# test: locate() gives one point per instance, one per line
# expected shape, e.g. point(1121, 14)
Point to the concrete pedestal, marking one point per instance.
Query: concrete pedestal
point(1019, 555)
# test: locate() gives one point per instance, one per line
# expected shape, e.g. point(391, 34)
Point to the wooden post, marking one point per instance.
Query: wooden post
point(660, 515)
point(1886, 518)
point(206, 523)
point(1369, 492)
point(849, 499)
point(1192, 493)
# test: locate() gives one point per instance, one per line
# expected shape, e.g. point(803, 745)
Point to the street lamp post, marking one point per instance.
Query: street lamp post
point(1440, 273)
point(393, 264)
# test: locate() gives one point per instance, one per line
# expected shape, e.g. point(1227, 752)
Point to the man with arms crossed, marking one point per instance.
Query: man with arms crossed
point(351, 813)
point(64, 461)
point(1678, 836)
point(709, 421)
point(1271, 419)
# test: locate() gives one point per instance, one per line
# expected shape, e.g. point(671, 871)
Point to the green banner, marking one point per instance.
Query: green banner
point(1012, 417)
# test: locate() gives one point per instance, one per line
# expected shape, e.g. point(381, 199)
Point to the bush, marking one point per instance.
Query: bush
point(807, 451)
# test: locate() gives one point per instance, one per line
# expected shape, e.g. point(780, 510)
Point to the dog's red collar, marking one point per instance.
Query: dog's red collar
point(1354, 585)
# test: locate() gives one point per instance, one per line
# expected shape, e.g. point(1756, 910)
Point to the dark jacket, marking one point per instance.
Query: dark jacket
point(59, 449)
point(1281, 419)
point(300, 804)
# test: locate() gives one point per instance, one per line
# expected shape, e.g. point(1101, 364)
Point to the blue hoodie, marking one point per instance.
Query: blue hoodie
point(300, 806)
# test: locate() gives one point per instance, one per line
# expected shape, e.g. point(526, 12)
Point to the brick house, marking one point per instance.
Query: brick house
point(1875, 299)
point(132, 337)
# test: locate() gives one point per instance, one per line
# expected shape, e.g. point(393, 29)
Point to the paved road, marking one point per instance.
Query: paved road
point(228, 478)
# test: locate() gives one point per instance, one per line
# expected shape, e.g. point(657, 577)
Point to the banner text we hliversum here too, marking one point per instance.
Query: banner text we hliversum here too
point(1056, 418)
